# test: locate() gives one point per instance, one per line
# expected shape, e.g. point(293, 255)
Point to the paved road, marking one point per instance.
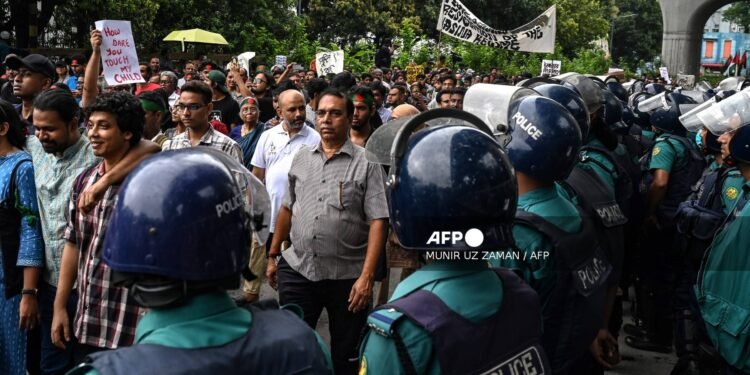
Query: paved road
point(634, 362)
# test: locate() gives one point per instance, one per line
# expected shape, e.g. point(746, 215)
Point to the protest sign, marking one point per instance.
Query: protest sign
point(665, 74)
point(551, 67)
point(536, 36)
point(119, 58)
point(243, 60)
point(329, 62)
point(685, 81)
point(412, 71)
point(281, 61)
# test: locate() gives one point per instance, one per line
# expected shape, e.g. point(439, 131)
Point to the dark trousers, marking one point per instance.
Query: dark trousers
point(312, 296)
point(53, 360)
point(658, 280)
point(83, 350)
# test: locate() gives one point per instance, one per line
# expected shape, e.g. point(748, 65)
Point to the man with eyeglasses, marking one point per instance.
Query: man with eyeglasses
point(168, 83)
point(261, 87)
point(193, 108)
point(336, 212)
point(278, 145)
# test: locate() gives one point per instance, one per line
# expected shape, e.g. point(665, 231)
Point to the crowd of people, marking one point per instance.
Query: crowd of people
point(127, 212)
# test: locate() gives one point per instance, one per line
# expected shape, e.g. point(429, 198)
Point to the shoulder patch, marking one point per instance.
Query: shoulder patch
point(363, 366)
point(732, 193)
point(656, 151)
point(382, 321)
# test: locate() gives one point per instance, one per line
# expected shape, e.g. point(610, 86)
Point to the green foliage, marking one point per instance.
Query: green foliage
point(739, 13)
point(637, 32)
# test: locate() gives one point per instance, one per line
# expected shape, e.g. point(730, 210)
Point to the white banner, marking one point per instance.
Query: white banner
point(551, 67)
point(329, 62)
point(119, 58)
point(536, 36)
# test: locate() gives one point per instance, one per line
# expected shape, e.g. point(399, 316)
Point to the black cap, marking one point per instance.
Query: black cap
point(34, 62)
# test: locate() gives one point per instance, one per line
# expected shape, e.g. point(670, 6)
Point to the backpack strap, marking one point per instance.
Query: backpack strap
point(537, 222)
point(12, 183)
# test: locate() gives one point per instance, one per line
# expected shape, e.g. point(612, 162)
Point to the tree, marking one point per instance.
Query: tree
point(739, 13)
point(21, 16)
point(637, 31)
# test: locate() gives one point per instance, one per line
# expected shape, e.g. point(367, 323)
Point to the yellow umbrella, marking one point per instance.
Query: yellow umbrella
point(195, 36)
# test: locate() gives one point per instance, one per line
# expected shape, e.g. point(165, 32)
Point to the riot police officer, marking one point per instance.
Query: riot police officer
point(454, 315)
point(675, 165)
point(178, 248)
point(722, 280)
point(543, 143)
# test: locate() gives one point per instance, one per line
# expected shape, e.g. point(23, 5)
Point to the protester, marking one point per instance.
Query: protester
point(21, 244)
point(335, 212)
point(35, 74)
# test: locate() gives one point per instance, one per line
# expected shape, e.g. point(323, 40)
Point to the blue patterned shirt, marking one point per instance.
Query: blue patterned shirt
point(54, 175)
point(30, 249)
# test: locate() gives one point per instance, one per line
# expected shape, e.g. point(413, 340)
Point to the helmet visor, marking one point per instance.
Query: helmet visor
point(729, 114)
point(690, 119)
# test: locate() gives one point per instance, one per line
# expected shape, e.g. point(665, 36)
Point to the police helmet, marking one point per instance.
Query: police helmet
point(708, 94)
point(655, 88)
point(462, 198)
point(616, 88)
point(642, 118)
point(739, 146)
point(184, 218)
point(572, 101)
point(613, 114)
point(544, 138)
point(587, 88)
point(537, 81)
point(667, 120)
point(723, 94)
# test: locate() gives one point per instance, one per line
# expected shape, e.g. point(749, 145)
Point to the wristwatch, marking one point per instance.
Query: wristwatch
point(30, 292)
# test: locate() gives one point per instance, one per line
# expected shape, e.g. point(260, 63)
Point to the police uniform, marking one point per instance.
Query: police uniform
point(722, 286)
point(601, 165)
point(207, 321)
point(539, 271)
point(455, 285)
point(455, 315)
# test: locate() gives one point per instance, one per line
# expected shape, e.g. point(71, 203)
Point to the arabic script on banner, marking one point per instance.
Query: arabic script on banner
point(536, 36)
point(329, 62)
point(119, 58)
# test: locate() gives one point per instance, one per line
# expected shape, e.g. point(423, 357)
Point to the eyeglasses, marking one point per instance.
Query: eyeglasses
point(259, 81)
point(190, 107)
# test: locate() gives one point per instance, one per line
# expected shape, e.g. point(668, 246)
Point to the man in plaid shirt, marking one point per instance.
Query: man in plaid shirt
point(106, 316)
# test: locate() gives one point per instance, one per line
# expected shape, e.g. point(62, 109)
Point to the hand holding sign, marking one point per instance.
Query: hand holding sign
point(119, 58)
point(329, 62)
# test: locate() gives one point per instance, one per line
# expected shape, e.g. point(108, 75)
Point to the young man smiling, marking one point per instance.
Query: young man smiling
point(106, 316)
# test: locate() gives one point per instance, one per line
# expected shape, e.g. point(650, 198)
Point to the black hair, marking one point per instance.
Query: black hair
point(400, 88)
point(447, 77)
point(365, 75)
point(283, 86)
point(343, 81)
point(8, 114)
point(126, 108)
point(364, 91)
point(268, 77)
point(316, 86)
point(458, 90)
point(341, 95)
point(60, 101)
point(379, 87)
point(200, 88)
point(441, 93)
point(149, 72)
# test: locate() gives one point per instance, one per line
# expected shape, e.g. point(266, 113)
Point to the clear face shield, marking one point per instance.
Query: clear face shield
point(491, 104)
point(729, 114)
point(690, 119)
point(653, 103)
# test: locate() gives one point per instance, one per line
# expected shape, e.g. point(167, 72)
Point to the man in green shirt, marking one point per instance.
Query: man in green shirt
point(192, 324)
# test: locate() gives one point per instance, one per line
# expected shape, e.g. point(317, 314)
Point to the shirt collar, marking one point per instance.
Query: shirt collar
point(303, 132)
point(207, 137)
point(200, 306)
point(537, 195)
point(69, 152)
point(347, 148)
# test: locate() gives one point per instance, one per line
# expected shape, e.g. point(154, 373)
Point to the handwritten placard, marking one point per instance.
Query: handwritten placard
point(329, 62)
point(536, 36)
point(664, 73)
point(281, 60)
point(119, 58)
point(551, 67)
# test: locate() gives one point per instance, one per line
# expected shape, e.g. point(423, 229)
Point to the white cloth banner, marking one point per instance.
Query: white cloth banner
point(329, 62)
point(551, 67)
point(119, 58)
point(536, 36)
